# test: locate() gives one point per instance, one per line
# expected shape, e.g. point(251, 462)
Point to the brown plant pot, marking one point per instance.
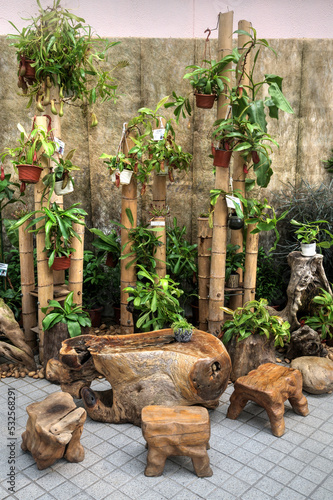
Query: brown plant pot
point(222, 158)
point(61, 263)
point(95, 316)
point(205, 101)
point(116, 310)
point(111, 261)
point(29, 173)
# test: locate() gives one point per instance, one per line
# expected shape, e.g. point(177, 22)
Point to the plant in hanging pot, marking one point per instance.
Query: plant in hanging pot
point(60, 179)
point(63, 51)
point(308, 234)
point(61, 322)
point(120, 166)
point(26, 156)
point(57, 224)
point(182, 329)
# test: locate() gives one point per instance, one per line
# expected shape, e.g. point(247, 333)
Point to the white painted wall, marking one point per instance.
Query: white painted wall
point(185, 18)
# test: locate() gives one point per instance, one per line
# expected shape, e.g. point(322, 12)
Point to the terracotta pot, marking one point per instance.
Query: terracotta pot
point(29, 173)
point(95, 316)
point(205, 101)
point(61, 263)
point(222, 158)
point(111, 261)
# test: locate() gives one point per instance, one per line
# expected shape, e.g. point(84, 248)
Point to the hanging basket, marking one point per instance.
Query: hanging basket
point(61, 263)
point(222, 158)
point(29, 174)
point(60, 191)
point(205, 101)
point(124, 177)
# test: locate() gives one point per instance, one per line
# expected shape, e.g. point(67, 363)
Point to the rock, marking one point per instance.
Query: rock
point(305, 342)
point(317, 373)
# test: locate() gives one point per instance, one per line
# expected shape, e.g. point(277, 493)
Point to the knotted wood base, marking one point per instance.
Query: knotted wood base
point(178, 431)
point(270, 386)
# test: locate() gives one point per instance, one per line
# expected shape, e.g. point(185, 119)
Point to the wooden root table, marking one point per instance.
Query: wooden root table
point(270, 386)
point(54, 429)
point(178, 431)
point(148, 369)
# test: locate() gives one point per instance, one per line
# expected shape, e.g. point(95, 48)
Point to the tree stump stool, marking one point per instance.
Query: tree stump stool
point(54, 429)
point(180, 431)
point(270, 386)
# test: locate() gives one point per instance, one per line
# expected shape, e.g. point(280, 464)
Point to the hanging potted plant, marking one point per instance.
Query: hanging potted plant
point(58, 49)
point(57, 224)
point(120, 166)
point(308, 234)
point(26, 156)
point(60, 179)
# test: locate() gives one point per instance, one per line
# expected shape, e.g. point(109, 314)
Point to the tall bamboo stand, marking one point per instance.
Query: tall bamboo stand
point(204, 253)
point(26, 249)
point(75, 272)
point(238, 171)
point(219, 240)
point(251, 257)
point(159, 200)
point(127, 276)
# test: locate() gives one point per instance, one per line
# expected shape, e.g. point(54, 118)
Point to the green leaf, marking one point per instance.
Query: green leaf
point(279, 99)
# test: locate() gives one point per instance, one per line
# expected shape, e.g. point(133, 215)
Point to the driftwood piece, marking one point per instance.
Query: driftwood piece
point(305, 342)
point(150, 368)
point(19, 351)
point(178, 431)
point(270, 386)
point(248, 354)
point(307, 277)
point(54, 429)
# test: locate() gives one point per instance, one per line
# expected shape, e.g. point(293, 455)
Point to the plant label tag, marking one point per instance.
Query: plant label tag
point(60, 146)
point(158, 134)
point(157, 222)
point(3, 269)
point(231, 200)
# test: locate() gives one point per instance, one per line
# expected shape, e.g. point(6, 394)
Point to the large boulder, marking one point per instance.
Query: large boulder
point(317, 373)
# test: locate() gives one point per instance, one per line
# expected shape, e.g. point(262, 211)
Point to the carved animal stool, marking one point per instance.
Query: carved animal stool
point(54, 429)
point(270, 386)
point(178, 430)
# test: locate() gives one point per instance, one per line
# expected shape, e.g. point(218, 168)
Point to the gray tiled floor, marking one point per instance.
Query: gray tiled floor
point(248, 462)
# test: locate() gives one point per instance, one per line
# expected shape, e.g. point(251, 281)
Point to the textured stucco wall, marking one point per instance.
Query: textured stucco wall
point(156, 68)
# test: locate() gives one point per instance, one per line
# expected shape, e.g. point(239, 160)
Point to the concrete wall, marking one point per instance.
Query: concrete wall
point(156, 68)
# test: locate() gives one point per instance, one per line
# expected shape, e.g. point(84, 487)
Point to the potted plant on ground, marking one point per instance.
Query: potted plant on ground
point(182, 329)
point(60, 179)
point(57, 224)
point(308, 234)
point(58, 49)
point(61, 322)
point(251, 336)
point(26, 156)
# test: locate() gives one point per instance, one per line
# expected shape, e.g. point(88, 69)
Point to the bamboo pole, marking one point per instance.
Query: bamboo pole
point(75, 273)
point(251, 257)
point(127, 276)
point(204, 253)
point(26, 249)
point(159, 201)
point(238, 171)
point(44, 273)
point(219, 240)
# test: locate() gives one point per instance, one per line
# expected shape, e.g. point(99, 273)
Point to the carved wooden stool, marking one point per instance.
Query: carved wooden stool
point(270, 386)
point(178, 430)
point(54, 429)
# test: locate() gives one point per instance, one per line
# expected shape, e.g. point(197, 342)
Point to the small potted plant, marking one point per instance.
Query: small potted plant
point(61, 322)
point(308, 234)
point(57, 224)
point(26, 157)
point(60, 179)
point(182, 329)
point(120, 166)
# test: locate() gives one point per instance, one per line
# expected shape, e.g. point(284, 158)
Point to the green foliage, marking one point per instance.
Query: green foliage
point(181, 324)
point(270, 283)
point(57, 224)
point(61, 172)
point(13, 300)
point(156, 299)
point(234, 260)
point(328, 164)
point(180, 254)
point(308, 232)
point(106, 243)
point(67, 53)
point(322, 319)
point(253, 319)
point(97, 281)
point(70, 314)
